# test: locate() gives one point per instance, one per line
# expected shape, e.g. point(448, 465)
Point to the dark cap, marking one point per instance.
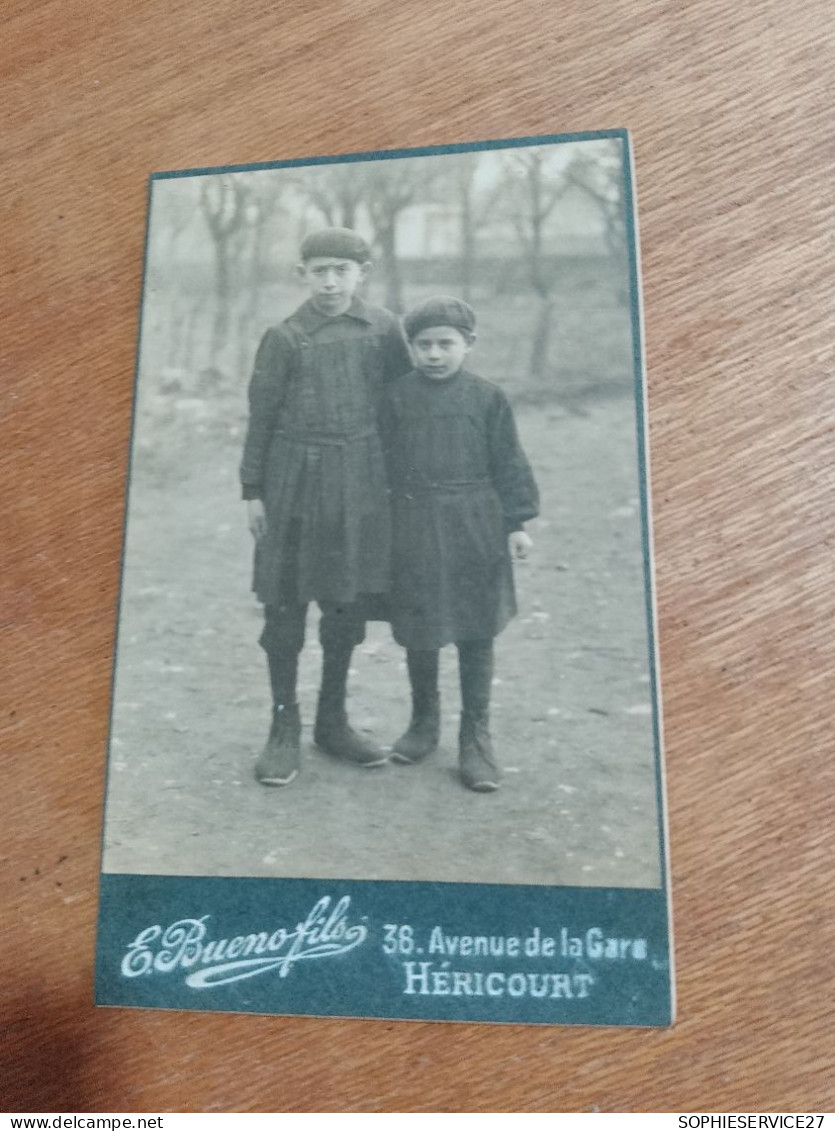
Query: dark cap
point(441, 310)
point(336, 243)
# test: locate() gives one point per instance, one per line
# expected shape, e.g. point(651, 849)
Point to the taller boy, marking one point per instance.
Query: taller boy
point(313, 475)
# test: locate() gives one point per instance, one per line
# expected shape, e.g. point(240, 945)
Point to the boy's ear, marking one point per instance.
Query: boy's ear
point(301, 269)
point(366, 269)
point(470, 339)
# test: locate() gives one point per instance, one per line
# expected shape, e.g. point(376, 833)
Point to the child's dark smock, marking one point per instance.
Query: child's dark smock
point(460, 483)
point(313, 453)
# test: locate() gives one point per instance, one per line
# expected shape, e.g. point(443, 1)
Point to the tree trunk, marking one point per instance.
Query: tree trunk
point(246, 325)
point(542, 330)
point(256, 267)
point(391, 269)
point(349, 211)
point(539, 369)
point(187, 354)
point(467, 242)
point(177, 314)
point(220, 329)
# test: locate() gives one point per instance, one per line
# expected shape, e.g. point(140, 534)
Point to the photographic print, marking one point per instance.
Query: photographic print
point(385, 732)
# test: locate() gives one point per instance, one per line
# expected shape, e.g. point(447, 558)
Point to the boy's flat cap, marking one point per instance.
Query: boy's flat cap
point(440, 310)
point(336, 243)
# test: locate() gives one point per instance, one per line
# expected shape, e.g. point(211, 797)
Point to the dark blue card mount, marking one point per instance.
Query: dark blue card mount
point(409, 951)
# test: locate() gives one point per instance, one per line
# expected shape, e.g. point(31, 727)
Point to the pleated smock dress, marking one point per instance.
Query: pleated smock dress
point(460, 483)
point(313, 452)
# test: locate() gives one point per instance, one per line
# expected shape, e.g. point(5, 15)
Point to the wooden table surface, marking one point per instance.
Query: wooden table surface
point(732, 132)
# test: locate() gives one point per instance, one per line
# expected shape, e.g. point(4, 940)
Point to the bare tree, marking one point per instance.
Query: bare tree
point(173, 211)
point(337, 192)
point(264, 207)
point(393, 186)
point(463, 172)
point(475, 209)
point(223, 202)
point(600, 178)
point(390, 190)
point(533, 184)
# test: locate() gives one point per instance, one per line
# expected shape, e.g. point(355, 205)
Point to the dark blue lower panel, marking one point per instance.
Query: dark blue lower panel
point(456, 952)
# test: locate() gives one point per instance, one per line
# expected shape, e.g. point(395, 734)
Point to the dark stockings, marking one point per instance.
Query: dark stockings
point(475, 669)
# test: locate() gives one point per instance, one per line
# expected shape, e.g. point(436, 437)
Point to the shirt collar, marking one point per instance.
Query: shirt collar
point(313, 319)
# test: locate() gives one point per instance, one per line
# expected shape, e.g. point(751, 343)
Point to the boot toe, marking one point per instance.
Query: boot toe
point(365, 754)
point(276, 767)
point(266, 775)
point(346, 744)
point(481, 777)
point(479, 771)
point(411, 748)
point(482, 783)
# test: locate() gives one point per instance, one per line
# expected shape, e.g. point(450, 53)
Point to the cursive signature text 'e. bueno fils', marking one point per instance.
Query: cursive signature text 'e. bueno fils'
point(184, 945)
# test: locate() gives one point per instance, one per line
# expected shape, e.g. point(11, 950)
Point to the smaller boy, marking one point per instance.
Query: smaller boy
point(461, 491)
point(314, 479)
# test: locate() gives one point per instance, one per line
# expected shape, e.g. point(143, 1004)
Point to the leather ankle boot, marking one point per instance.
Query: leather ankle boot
point(333, 734)
point(479, 769)
point(424, 731)
point(279, 761)
point(477, 764)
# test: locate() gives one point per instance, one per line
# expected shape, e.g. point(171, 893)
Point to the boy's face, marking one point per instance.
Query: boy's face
point(332, 282)
point(439, 351)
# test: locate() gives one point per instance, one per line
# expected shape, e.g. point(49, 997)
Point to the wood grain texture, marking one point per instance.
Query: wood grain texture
point(732, 133)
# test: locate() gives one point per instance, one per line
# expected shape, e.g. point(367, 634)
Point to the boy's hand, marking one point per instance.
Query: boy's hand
point(520, 544)
point(257, 518)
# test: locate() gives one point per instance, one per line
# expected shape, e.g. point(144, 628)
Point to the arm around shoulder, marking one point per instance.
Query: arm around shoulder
point(398, 357)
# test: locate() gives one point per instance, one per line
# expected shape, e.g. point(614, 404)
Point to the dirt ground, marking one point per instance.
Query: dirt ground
point(572, 717)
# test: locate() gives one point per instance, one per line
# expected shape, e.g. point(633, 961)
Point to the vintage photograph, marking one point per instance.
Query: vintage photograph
point(386, 604)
